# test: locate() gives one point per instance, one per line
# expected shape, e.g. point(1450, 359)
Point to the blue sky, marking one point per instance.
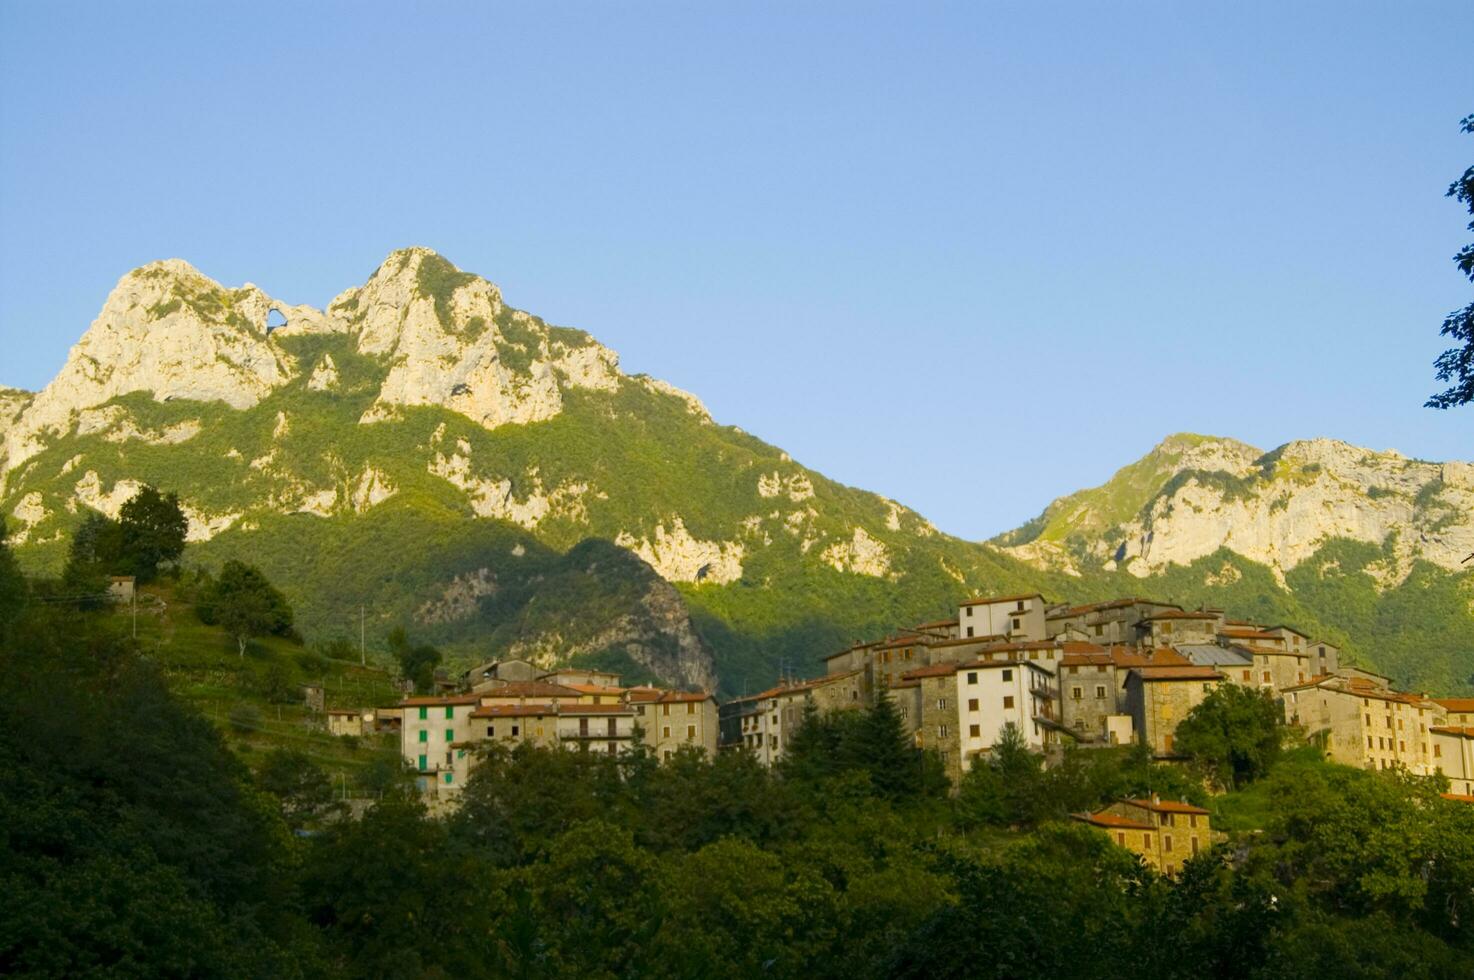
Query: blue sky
point(971, 256)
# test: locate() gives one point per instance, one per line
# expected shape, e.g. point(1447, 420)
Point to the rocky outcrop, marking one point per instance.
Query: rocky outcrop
point(680, 557)
point(166, 330)
point(1275, 508)
point(862, 555)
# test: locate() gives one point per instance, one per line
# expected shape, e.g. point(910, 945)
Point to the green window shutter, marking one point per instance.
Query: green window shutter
point(424, 712)
point(424, 735)
point(424, 763)
point(450, 777)
point(450, 735)
point(450, 712)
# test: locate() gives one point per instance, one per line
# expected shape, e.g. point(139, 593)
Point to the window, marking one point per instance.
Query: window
point(424, 712)
point(1195, 846)
point(424, 763)
point(969, 616)
point(941, 703)
point(972, 677)
point(1399, 724)
point(1369, 721)
point(665, 709)
point(1401, 746)
point(1248, 675)
point(690, 707)
point(1192, 819)
point(969, 629)
point(1007, 701)
point(1100, 691)
point(1019, 606)
point(1007, 676)
point(665, 732)
point(613, 730)
point(972, 704)
point(974, 730)
point(1015, 624)
point(1121, 837)
point(1076, 693)
point(424, 735)
point(491, 731)
point(1146, 841)
point(450, 735)
point(1167, 843)
point(450, 712)
point(941, 731)
point(1098, 629)
point(515, 730)
point(1369, 741)
point(450, 777)
point(1437, 751)
point(1266, 677)
point(690, 733)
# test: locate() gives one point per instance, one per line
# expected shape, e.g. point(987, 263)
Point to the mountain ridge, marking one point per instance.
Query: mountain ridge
point(423, 450)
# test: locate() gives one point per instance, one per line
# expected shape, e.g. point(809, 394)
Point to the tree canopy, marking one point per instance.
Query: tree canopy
point(245, 604)
point(1456, 364)
point(1234, 734)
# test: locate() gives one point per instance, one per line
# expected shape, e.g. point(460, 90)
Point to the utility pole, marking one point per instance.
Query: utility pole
point(135, 611)
point(362, 654)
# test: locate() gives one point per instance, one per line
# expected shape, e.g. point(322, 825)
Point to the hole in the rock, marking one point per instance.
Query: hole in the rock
point(275, 319)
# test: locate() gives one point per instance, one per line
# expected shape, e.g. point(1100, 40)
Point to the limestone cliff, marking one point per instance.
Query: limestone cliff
point(1193, 495)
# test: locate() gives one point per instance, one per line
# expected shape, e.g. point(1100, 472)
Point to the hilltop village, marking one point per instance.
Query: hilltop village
point(1095, 675)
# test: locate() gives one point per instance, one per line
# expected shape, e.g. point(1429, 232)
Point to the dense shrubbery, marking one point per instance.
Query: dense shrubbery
point(137, 844)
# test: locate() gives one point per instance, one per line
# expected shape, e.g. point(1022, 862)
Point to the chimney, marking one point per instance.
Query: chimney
point(1156, 799)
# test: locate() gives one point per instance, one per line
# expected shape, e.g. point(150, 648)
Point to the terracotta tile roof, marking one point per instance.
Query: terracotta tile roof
point(595, 689)
point(964, 640)
point(1107, 819)
point(530, 689)
point(805, 685)
point(595, 709)
point(900, 641)
point(513, 710)
point(1456, 704)
point(904, 683)
point(1103, 606)
point(1461, 731)
point(1288, 629)
point(1357, 687)
point(990, 600)
point(1458, 797)
point(1127, 657)
point(1166, 806)
point(422, 701)
point(936, 624)
point(1250, 634)
point(1177, 673)
point(1178, 614)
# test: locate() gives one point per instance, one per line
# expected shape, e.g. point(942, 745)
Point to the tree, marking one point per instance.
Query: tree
point(416, 661)
point(305, 792)
point(1457, 363)
point(1234, 734)
point(95, 553)
point(247, 605)
point(12, 585)
point(153, 529)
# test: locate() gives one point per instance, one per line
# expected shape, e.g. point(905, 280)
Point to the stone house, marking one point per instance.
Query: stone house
point(1164, 833)
point(1105, 623)
point(342, 721)
point(494, 672)
point(672, 719)
point(580, 675)
point(1365, 724)
point(1175, 626)
point(121, 588)
point(1325, 658)
point(1457, 711)
point(1453, 756)
point(1158, 698)
point(964, 708)
point(430, 728)
point(763, 723)
point(1018, 617)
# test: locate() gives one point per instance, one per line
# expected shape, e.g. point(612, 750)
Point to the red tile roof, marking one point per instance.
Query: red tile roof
point(1456, 704)
point(1166, 806)
point(1177, 673)
point(421, 701)
point(990, 600)
point(1103, 606)
point(1178, 614)
point(530, 689)
point(1458, 797)
point(1115, 821)
point(1462, 731)
point(514, 710)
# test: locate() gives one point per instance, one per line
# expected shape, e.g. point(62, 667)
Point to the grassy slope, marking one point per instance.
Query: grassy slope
point(203, 666)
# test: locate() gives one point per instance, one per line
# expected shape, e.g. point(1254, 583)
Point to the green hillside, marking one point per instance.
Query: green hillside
point(618, 524)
